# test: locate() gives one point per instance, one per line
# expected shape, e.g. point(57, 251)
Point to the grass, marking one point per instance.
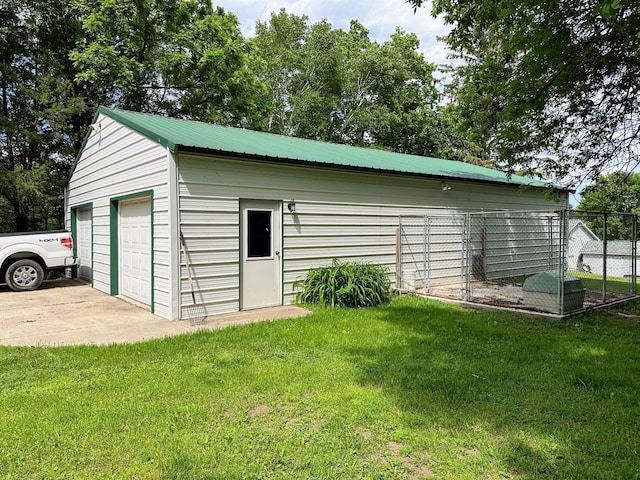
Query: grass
point(593, 282)
point(414, 389)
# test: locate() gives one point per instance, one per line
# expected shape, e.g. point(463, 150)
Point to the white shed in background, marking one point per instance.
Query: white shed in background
point(619, 257)
point(579, 235)
point(256, 210)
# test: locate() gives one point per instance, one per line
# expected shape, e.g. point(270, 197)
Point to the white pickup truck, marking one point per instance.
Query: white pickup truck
point(24, 257)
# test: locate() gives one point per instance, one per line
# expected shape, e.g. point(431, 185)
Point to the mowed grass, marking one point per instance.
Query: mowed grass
point(593, 282)
point(416, 389)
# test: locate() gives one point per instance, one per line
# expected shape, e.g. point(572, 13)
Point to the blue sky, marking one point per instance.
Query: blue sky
point(381, 17)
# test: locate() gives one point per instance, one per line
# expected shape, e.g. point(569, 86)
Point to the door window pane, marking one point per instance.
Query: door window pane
point(259, 233)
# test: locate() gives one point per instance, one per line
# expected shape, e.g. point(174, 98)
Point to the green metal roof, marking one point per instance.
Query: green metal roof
point(190, 135)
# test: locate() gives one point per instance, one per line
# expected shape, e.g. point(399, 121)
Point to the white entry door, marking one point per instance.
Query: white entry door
point(260, 275)
point(135, 249)
point(84, 247)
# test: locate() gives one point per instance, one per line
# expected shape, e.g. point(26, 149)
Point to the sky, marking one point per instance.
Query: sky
point(380, 17)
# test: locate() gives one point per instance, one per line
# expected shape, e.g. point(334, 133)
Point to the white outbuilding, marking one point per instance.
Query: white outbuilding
point(619, 256)
point(579, 235)
point(256, 210)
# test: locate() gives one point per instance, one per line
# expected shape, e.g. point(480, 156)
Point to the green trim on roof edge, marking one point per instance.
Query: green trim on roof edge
point(198, 136)
point(148, 129)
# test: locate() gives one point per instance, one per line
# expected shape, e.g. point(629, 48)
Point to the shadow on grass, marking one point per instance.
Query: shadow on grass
point(543, 397)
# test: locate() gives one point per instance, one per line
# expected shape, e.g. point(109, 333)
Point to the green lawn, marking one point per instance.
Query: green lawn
point(416, 389)
point(593, 282)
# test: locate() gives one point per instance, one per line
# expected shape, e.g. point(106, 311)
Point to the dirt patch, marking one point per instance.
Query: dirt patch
point(508, 294)
point(259, 410)
point(394, 447)
point(416, 466)
point(365, 432)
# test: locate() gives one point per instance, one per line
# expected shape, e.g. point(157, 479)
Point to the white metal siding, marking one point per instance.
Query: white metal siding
point(117, 161)
point(520, 244)
point(211, 232)
point(339, 214)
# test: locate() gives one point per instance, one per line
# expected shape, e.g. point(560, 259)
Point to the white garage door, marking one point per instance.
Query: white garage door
point(84, 248)
point(135, 249)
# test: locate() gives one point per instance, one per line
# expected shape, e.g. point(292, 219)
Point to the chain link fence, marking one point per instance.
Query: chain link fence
point(556, 262)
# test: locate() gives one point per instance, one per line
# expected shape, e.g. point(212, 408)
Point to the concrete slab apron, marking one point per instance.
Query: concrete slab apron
point(67, 312)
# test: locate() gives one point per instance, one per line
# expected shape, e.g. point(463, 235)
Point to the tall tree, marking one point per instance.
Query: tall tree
point(60, 60)
point(181, 58)
point(617, 192)
point(301, 66)
point(549, 86)
point(42, 111)
point(335, 85)
point(400, 96)
point(277, 55)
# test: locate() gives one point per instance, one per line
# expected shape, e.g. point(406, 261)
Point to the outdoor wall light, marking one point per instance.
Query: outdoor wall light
point(445, 186)
point(292, 206)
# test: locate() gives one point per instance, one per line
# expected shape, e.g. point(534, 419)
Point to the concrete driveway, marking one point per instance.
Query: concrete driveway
point(68, 312)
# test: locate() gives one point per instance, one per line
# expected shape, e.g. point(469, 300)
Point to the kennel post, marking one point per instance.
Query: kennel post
point(465, 270)
point(604, 257)
point(425, 255)
point(634, 252)
point(562, 219)
point(399, 254)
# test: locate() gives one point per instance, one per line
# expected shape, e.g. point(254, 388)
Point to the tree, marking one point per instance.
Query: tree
point(549, 86)
point(277, 48)
point(60, 60)
point(179, 58)
point(617, 192)
point(302, 68)
point(41, 113)
point(335, 85)
point(401, 101)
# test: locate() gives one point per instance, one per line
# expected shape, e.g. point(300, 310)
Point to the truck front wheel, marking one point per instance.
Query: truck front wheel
point(24, 275)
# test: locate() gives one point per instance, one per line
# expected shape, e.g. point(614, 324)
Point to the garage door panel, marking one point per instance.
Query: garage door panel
point(85, 243)
point(135, 250)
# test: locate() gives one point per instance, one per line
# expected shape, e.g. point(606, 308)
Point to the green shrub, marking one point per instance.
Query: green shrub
point(345, 284)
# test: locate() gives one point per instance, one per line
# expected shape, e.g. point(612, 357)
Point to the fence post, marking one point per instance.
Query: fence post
point(604, 257)
point(634, 253)
point(550, 253)
point(561, 238)
point(399, 254)
point(425, 277)
point(465, 278)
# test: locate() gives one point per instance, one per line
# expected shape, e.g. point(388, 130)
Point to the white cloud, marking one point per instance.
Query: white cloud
point(380, 17)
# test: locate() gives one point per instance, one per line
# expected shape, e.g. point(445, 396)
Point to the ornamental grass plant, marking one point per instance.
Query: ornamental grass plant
point(345, 284)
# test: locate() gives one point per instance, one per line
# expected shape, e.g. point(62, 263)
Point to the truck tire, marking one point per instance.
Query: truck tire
point(24, 275)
